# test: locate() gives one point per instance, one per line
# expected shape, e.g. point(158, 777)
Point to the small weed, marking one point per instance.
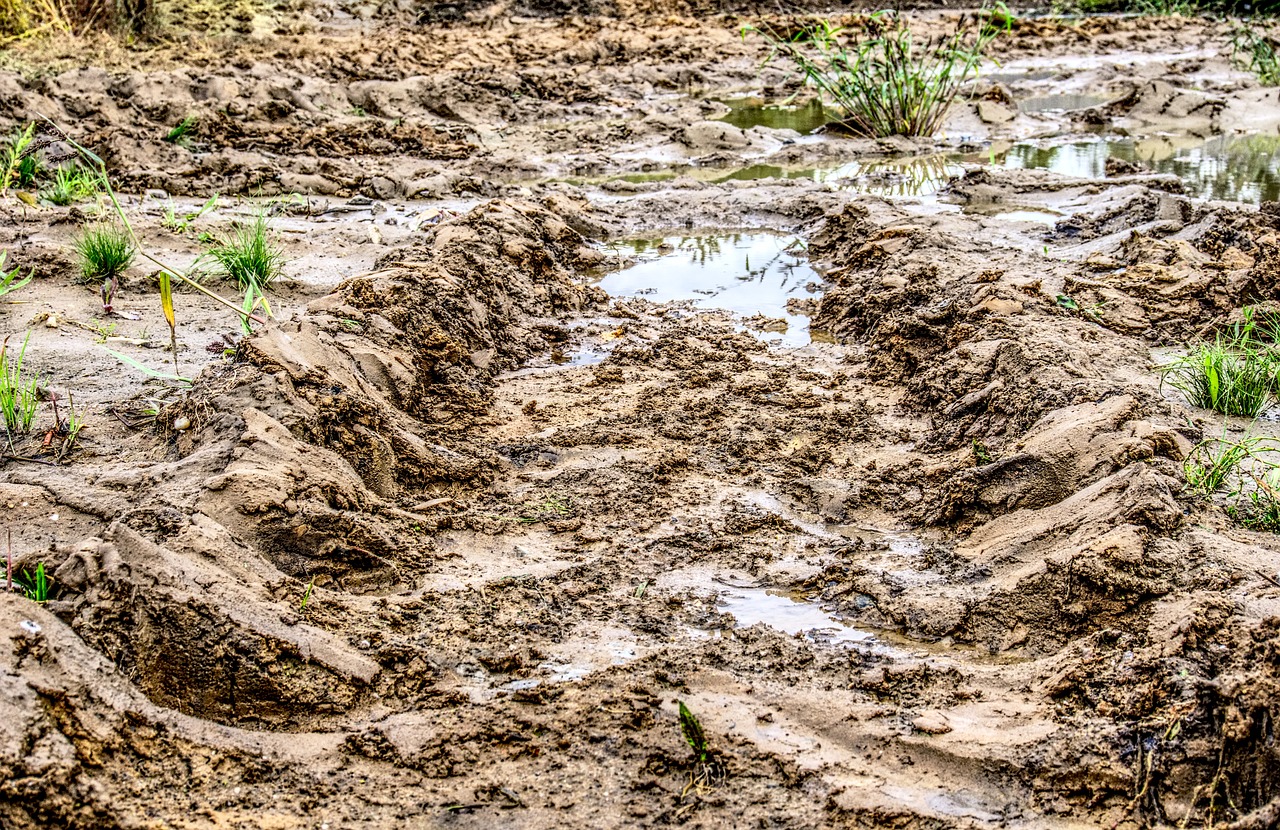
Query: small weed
point(13, 162)
point(182, 132)
point(70, 185)
point(691, 728)
point(981, 455)
point(708, 766)
point(1165, 8)
point(1244, 472)
point(19, 395)
point(1259, 509)
point(9, 280)
point(71, 428)
point(104, 331)
point(27, 170)
point(104, 252)
point(1214, 462)
point(886, 83)
point(171, 221)
point(37, 587)
point(358, 112)
point(1235, 374)
point(251, 258)
point(1255, 51)
point(306, 596)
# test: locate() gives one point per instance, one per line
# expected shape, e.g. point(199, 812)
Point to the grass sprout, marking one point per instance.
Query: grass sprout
point(887, 82)
point(182, 132)
point(19, 394)
point(171, 221)
point(306, 596)
point(70, 184)
point(691, 729)
point(104, 253)
point(37, 586)
point(10, 280)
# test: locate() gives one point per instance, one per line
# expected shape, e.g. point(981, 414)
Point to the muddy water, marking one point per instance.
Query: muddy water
point(748, 274)
point(791, 613)
point(745, 113)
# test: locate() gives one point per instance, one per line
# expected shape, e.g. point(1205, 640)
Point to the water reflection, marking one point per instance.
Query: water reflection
point(745, 113)
point(746, 273)
point(1234, 168)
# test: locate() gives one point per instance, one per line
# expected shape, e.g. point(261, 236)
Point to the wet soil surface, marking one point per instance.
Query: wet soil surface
point(600, 382)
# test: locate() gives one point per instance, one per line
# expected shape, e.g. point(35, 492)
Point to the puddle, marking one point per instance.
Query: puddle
point(747, 274)
point(1232, 168)
point(789, 613)
point(1242, 168)
point(745, 113)
point(1061, 103)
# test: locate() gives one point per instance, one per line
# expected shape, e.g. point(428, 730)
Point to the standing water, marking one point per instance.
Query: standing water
point(748, 274)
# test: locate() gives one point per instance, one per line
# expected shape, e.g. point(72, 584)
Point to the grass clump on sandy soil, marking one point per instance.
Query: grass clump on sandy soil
point(70, 184)
point(886, 82)
point(248, 254)
point(19, 394)
point(104, 253)
point(252, 259)
point(1234, 374)
point(1245, 473)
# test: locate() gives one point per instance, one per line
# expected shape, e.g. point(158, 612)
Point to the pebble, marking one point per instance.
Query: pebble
point(182, 422)
point(931, 723)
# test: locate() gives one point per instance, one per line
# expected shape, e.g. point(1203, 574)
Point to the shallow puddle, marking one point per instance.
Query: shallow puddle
point(745, 113)
point(748, 274)
point(789, 613)
point(1233, 168)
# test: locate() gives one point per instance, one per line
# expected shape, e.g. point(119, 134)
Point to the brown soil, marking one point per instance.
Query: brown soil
point(398, 558)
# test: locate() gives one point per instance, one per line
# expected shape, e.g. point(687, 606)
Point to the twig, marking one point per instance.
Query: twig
point(1267, 577)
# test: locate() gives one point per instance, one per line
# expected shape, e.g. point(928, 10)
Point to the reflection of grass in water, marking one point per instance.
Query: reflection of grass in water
point(1237, 169)
point(919, 176)
point(747, 113)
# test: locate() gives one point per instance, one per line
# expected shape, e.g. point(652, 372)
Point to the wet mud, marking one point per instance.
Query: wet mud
point(594, 388)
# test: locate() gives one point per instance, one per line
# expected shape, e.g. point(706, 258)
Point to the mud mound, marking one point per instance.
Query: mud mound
point(312, 451)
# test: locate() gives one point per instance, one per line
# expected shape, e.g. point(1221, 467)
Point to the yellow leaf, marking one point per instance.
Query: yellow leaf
point(166, 299)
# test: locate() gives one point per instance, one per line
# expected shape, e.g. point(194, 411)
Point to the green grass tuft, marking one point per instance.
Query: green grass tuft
point(104, 252)
point(1255, 51)
point(1235, 374)
point(182, 132)
point(886, 82)
point(70, 185)
point(248, 255)
point(19, 394)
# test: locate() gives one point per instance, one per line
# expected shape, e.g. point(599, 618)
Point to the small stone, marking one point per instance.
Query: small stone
point(993, 112)
point(52, 321)
point(931, 723)
point(182, 423)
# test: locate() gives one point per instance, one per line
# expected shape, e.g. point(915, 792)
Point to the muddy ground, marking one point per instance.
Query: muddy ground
point(447, 542)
